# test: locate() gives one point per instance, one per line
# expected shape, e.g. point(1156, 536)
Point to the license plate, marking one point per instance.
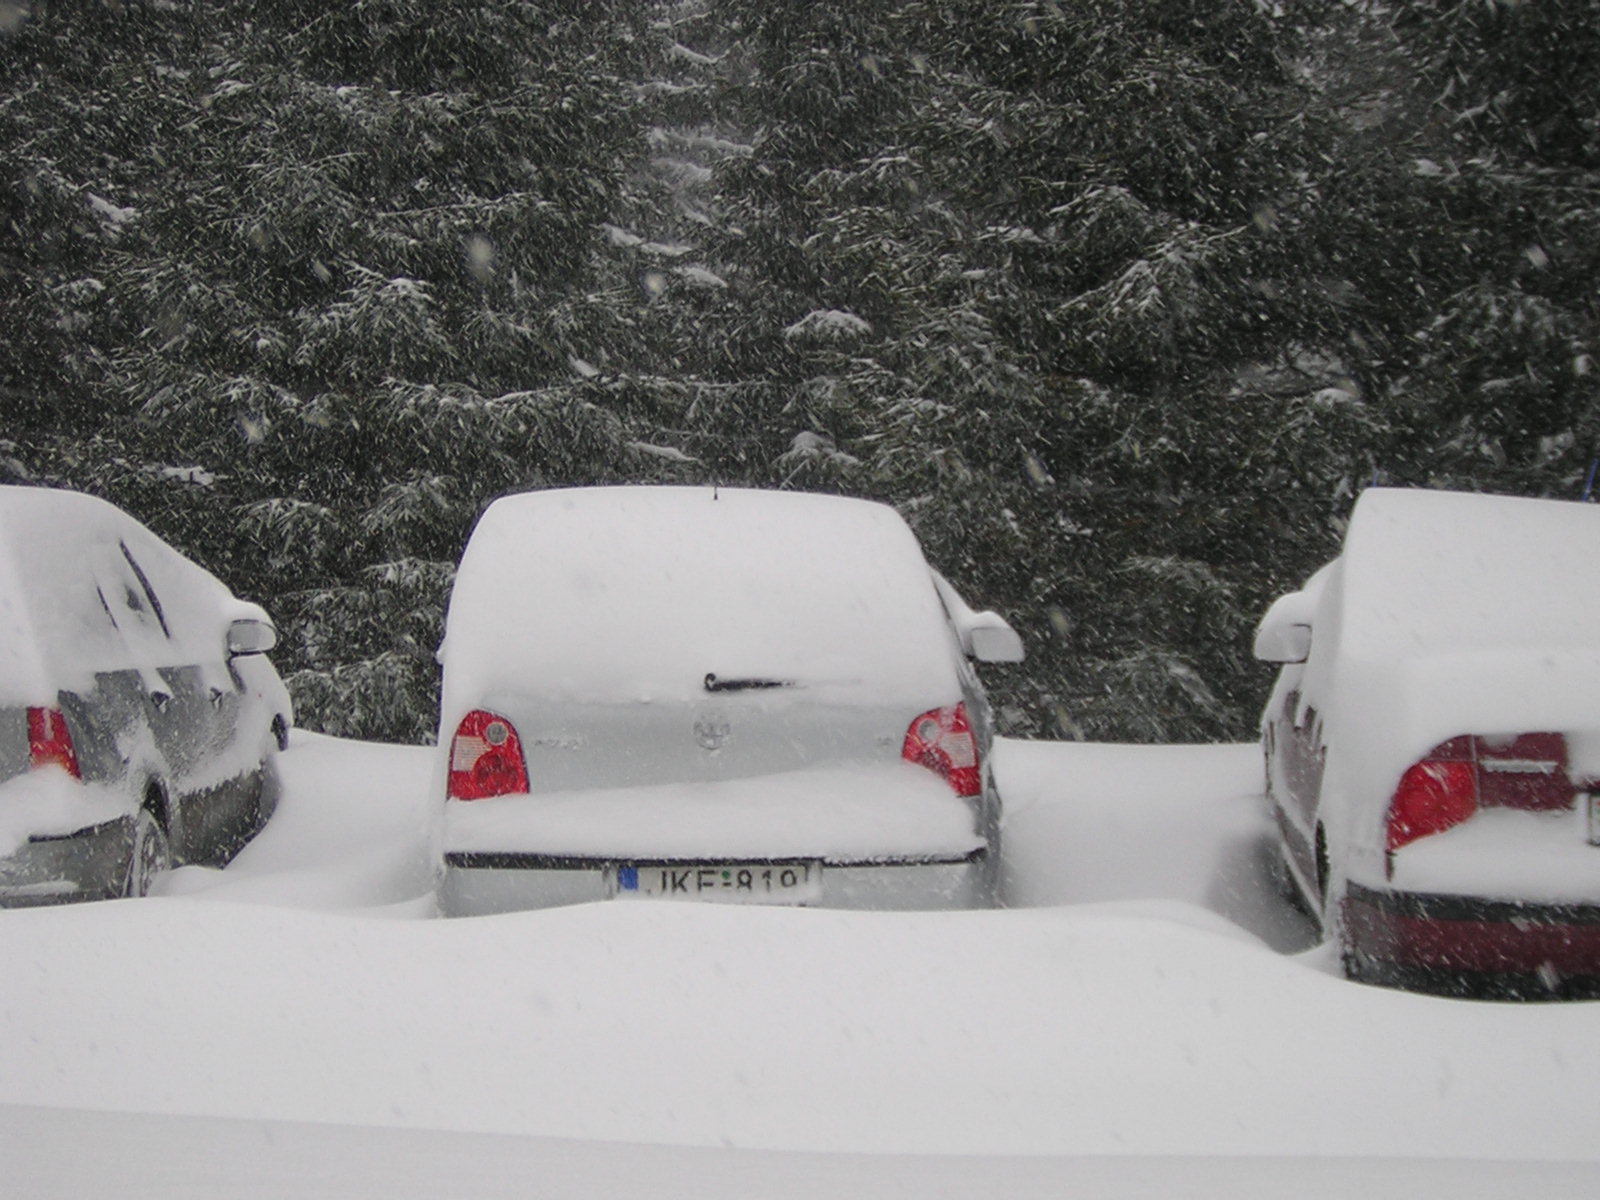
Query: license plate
point(730, 883)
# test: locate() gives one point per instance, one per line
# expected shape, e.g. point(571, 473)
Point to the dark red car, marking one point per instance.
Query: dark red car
point(1433, 743)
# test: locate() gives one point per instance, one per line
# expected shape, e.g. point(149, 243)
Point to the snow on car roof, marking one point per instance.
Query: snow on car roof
point(639, 593)
point(37, 612)
point(66, 572)
point(1428, 572)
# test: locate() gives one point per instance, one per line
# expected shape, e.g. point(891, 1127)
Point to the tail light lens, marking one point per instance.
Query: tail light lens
point(1433, 796)
point(1457, 778)
point(49, 742)
point(485, 758)
point(942, 740)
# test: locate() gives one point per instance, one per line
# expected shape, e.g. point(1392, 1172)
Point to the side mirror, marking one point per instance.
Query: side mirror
point(1283, 643)
point(990, 639)
point(985, 635)
point(1284, 635)
point(250, 635)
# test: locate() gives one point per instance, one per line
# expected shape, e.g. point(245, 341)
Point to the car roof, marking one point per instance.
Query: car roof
point(64, 561)
point(1428, 572)
point(35, 610)
point(619, 593)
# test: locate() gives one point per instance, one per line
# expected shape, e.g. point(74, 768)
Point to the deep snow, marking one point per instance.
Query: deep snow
point(854, 813)
point(1128, 1007)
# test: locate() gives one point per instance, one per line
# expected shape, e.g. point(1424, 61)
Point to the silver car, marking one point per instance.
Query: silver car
point(717, 695)
point(139, 715)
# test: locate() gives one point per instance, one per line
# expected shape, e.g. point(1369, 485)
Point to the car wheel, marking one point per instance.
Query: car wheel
point(151, 856)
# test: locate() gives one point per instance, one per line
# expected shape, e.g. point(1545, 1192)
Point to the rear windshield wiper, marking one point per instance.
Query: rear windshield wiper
point(713, 684)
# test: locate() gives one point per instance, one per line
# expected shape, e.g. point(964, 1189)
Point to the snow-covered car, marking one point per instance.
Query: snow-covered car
point(139, 714)
point(1433, 742)
point(713, 694)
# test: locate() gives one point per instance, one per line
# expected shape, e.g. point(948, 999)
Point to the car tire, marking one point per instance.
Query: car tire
point(150, 857)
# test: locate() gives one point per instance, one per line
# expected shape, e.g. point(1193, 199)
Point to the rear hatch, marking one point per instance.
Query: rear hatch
point(647, 638)
point(575, 746)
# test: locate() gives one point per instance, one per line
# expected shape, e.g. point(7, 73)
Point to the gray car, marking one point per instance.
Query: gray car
point(716, 695)
point(139, 714)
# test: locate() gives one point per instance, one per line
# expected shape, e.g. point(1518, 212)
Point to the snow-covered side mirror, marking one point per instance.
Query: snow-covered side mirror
point(1284, 635)
point(1284, 644)
point(251, 635)
point(985, 635)
point(990, 639)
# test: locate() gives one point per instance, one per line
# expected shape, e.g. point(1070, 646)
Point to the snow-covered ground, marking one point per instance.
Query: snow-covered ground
point(1147, 1019)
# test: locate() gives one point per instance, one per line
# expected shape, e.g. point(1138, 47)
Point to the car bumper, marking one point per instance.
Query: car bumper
point(1471, 945)
point(473, 884)
point(91, 864)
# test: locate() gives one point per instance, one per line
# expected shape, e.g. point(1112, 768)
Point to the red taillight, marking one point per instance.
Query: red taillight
point(485, 758)
point(49, 743)
point(1458, 777)
point(1432, 797)
point(942, 740)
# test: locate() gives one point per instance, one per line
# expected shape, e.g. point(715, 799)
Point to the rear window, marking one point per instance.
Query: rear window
point(641, 593)
point(85, 589)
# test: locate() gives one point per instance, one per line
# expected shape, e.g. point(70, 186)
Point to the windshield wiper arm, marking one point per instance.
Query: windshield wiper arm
point(713, 684)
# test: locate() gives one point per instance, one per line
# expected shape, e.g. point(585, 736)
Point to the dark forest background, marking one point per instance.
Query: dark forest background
point(1120, 302)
